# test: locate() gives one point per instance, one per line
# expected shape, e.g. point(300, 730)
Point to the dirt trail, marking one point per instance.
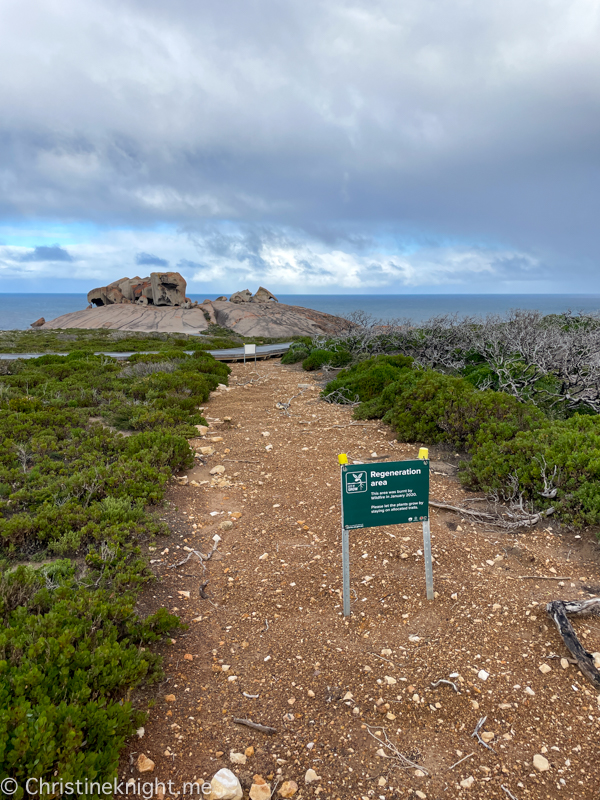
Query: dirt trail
point(270, 643)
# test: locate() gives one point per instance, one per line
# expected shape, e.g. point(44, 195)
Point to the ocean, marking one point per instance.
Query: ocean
point(18, 311)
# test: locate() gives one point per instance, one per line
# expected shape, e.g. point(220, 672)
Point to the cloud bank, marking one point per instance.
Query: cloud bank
point(318, 143)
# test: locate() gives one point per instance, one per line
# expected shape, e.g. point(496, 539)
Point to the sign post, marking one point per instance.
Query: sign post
point(386, 493)
point(249, 350)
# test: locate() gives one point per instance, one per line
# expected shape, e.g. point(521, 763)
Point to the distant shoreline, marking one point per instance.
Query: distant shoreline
point(18, 311)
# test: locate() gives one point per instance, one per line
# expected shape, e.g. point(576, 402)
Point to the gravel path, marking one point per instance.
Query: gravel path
point(269, 642)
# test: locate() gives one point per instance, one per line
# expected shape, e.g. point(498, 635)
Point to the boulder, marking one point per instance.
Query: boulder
point(241, 297)
point(263, 296)
point(159, 289)
point(222, 297)
point(168, 288)
point(38, 323)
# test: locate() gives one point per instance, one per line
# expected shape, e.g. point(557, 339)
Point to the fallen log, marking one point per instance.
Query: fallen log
point(560, 611)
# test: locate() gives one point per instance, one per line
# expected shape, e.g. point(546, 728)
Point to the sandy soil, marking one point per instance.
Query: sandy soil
point(270, 643)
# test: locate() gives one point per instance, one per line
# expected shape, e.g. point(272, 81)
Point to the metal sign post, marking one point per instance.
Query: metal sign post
point(386, 493)
point(249, 350)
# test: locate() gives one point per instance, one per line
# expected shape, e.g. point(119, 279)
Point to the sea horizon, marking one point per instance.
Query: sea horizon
point(19, 309)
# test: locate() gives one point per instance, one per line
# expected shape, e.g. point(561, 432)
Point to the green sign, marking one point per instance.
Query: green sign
point(388, 493)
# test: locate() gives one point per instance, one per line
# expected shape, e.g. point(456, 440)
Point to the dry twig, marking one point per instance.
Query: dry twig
point(475, 734)
point(402, 760)
point(256, 726)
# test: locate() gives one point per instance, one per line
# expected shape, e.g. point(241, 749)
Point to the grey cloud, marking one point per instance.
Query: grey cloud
point(147, 259)
point(45, 253)
point(424, 119)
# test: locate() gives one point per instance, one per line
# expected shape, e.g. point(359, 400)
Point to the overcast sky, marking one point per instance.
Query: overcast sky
point(314, 146)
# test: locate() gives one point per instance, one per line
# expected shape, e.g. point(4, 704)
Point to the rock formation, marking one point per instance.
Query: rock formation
point(38, 323)
point(158, 303)
point(160, 289)
point(241, 297)
point(245, 296)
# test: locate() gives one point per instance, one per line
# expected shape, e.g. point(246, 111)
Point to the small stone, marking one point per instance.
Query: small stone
point(381, 753)
point(206, 451)
point(249, 752)
point(545, 669)
point(226, 525)
point(182, 481)
point(596, 657)
point(483, 675)
point(418, 773)
point(564, 663)
point(170, 698)
point(487, 736)
point(184, 594)
point(188, 657)
point(467, 782)
point(232, 678)
point(474, 705)
point(421, 795)
point(202, 429)
point(291, 701)
point(218, 470)
point(390, 716)
point(237, 758)
point(454, 596)
point(356, 711)
point(225, 786)
point(216, 439)
point(144, 764)
point(348, 696)
point(140, 732)
point(389, 680)
point(529, 691)
point(386, 651)
point(288, 789)
point(311, 776)
point(540, 763)
point(260, 791)
point(310, 693)
point(268, 448)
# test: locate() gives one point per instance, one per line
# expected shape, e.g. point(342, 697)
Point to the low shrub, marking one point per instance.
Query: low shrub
point(318, 358)
point(564, 452)
point(367, 379)
point(71, 643)
point(441, 408)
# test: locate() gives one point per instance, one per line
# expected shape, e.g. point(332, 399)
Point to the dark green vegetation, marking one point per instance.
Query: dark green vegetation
point(75, 504)
point(91, 340)
point(520, 396)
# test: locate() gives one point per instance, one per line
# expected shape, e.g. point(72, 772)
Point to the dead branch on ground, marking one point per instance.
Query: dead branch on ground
point(560, 611)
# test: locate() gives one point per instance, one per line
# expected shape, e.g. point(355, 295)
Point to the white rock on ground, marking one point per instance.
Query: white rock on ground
point(311, 776)
point(225, 786)
point(467, 782)
point(237, 758)
point(540, 763)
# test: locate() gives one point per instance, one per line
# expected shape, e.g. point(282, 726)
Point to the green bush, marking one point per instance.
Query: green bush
point(318, 358)
point(441, 408)
point(294, 355)
point(367, 379)
point(567, 452)
point(71, 643)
